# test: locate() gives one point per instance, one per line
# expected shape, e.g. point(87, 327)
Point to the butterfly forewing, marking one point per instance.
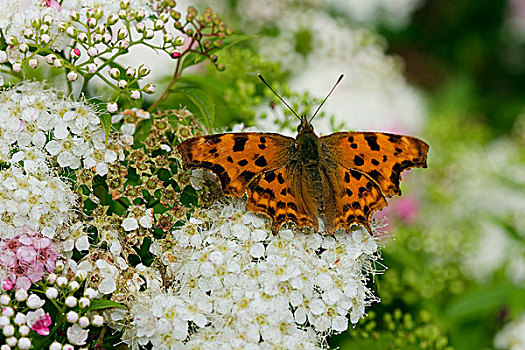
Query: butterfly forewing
point(236, 158)
point(380, 156)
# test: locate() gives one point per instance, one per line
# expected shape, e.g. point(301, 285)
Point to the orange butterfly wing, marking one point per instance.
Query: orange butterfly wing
point(381, 156)
point(274, 195)
point(236, 158)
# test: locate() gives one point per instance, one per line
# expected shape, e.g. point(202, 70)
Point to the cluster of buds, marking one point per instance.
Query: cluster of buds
point(26, 313)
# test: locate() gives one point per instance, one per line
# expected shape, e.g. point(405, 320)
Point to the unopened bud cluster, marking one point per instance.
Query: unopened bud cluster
point(27, 313)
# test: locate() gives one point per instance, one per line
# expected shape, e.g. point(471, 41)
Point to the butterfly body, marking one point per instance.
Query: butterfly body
point(342, 178)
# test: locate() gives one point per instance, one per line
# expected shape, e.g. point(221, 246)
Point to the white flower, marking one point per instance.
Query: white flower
point(130, 224)
point(77, 335)
point(34, 302)
point(512, 336)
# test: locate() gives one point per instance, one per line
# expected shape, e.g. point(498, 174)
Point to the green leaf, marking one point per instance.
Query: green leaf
point(98, 304)
point(105, 120)
point(201, 101)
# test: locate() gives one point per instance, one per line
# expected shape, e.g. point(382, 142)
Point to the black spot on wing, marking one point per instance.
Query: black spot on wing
point(372, 142)
point(246, 175)
point(229, 159)
point(269, 176)
point(280, 178)
point(375, 162)
point(239, 143)
point(242, 162)
point(356, 175)
point(347, 177)
point(261, 162)
point(359, 161)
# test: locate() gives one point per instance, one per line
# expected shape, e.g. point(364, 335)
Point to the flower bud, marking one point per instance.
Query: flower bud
point(52, 277)
point(8, 311)
point(92, 68)
point(73, 286)
point(90, 13)
point(122, 84)
point(4, 321)
point(97, 321)
point(122, 33)
point(44, 29)
point(11, 341)
point(68, 347)
point(3, 56)
point(75, 53)
point(84, 302)
point(123, 44)
point(20, 295)
point(97, 38)
point(112, 107)
point(28, 33)
point(140, 27)
point(58, 63)
point(107, 37)
point(135, 94)
point(92, 22)
point(20, 318)
point(122, 14)
point(124, 4)
point(158, 25)
point(149, 88)
point(55, 346)
point(72, 317)
point(24, 330)
point(47, 19)
point(11, 40)
point(90, 293)
point(61, 281)
point(130, 72)
point(35, 23)
point(82, 37)
point(8, 330)
point(74, 15)
point(17, 67)
point(45, 38)
point(71, 301)
point(149, 33)
point(24, 343)
point(114, 73)
point(72, 76)
point(51, 293)
point(23, 47)
point(167, 38)
point(112, 19)
point(143, 71)
point(83, 322)
point(139, 15)
point(92, 51)
point(176, 15)
point(4, 299)
point(175, 54)
point(71, 31)
point(5, 347)
point(98, 13)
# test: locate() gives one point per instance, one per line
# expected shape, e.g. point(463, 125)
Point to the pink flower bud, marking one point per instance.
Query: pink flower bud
point(7, 284)
point(175, 54)
point(75, 53)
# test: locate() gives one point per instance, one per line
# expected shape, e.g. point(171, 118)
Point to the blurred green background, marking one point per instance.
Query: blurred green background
point(450, 72)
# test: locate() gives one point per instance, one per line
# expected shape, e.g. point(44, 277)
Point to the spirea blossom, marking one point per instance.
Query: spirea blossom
point(26, 258)
point(39, 202)
point(37, 123)
point(240, 286)
point(512, 336)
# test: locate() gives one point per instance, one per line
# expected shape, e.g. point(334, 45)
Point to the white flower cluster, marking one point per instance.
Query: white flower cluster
point(36, 123)
point(38, 201)
point(237, 286)
point(512, 336)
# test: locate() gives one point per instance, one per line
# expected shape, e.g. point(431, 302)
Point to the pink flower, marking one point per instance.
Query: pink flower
point(52, 3)
point(39, 321)
point(26, 258)
point(7, 284)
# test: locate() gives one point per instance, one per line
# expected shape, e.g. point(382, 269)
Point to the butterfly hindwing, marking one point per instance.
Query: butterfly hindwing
point(236, 158)
point(354, 198)
point(273, 194)
point(381, 156)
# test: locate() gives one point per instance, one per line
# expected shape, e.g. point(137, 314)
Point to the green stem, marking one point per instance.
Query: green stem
point(176, 76)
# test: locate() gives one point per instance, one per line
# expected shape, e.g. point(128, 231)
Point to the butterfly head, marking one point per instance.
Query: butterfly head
point(305, 126)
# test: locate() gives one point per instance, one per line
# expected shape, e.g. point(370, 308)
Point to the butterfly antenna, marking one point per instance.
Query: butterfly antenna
point(326, 98)
point(276, 94)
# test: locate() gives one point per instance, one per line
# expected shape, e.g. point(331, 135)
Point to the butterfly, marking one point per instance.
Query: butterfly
point(342, 178)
